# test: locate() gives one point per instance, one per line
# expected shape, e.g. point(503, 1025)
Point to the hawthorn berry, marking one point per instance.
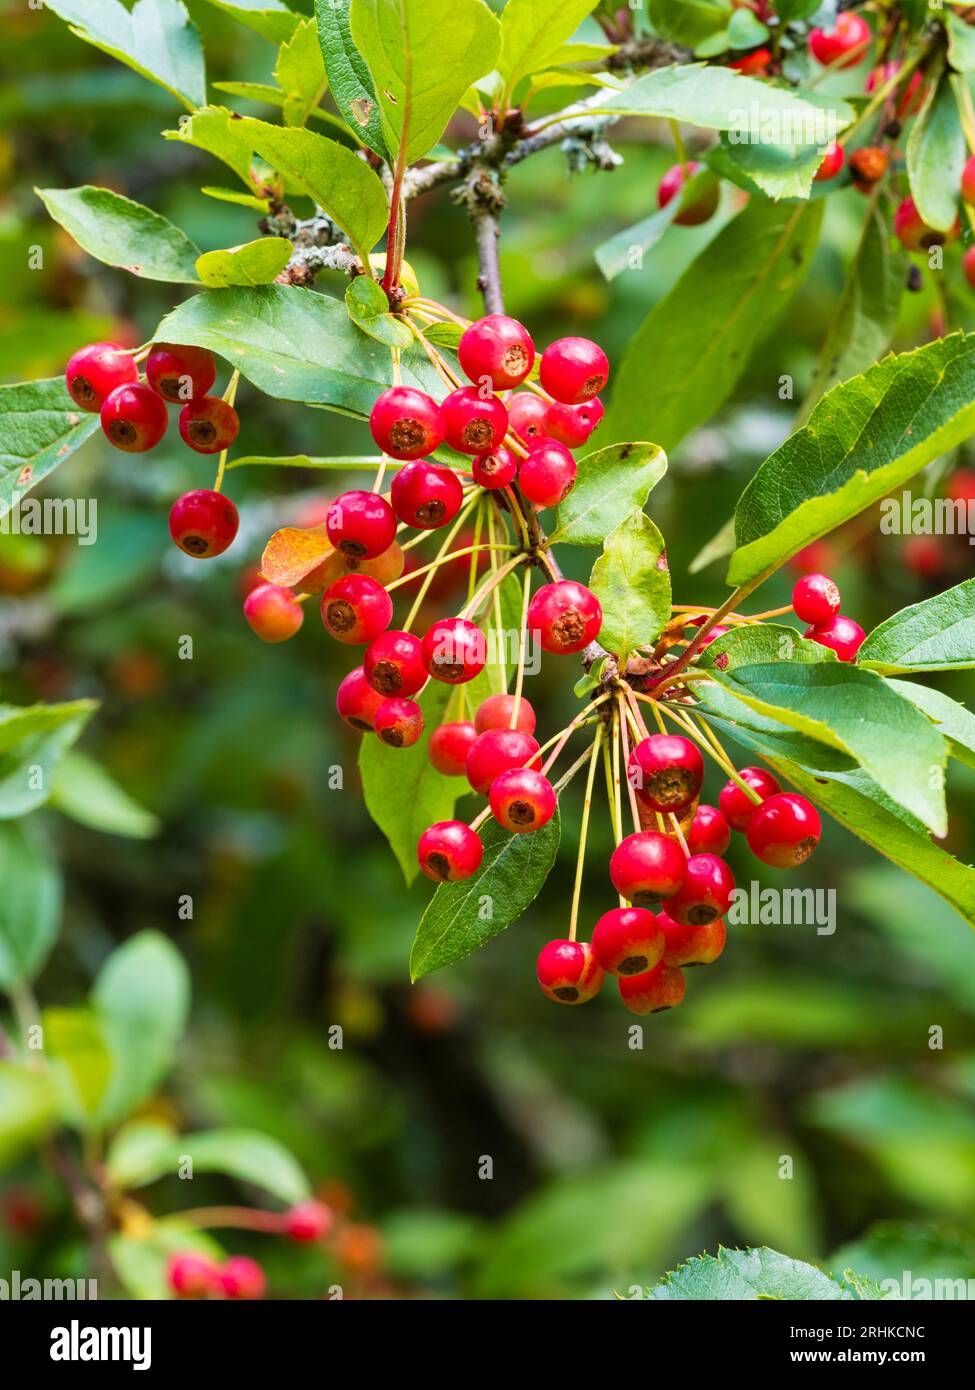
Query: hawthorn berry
point(847, 39)
point(646, 867)
point(242, 1277)
point(548, 474)
point(573, 370)
point(496, 469)
point(913, 232)
point(426, 495)
point(522, 800)
point(868, 165)
point(208, 424)
point(192, 1275)
point(568, 972)
point(566, 616)
point(495, 713)
point(702, 206)
point(472, 423)
point(361, 524)
point(967, 192)
point(911, 98)
point(398, 722)
point(273, 612)
point(95, 371)
point(709, 831)
point(528, 415)
point(384, 568)
point(685, 944)
point(784, 831)
point(496, 349)
point(753, 64)
point(449, 851)
point(815, 599)
point(180, 374)
point(203, 523)
point(454, 650)
point(736, 806)
point(356, 700)
point(393, 663)
point(833, 161)
point(704, 894)
point(134, 418)
point(843, 635)
point(449, 746)
point(406, 423)
point(572, 425)
point(627, 941)
point(654, 991)
point(355, 609)
point(308, 1221)
point(497, 751)
point(666, 771)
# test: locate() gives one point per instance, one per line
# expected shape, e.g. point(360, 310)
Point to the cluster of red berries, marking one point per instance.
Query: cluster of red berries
point(816, 600)
point(192, 1275)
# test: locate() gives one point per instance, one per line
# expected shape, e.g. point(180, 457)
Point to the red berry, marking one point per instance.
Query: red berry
point(960, 487)
point(849, 35)
point(647, 867)
point(654, 991)
point(473, 423)
point(628, 941)
point(527, 415)
point(548, 474)
point(242, 1277)
point(449, 746)
point(497, 350)
point(273, 612)
point(737, 807)
point(572, 425)
point(705, 893)
point(355, 609)
point(426, 495)
point(753, 64)
point(967, 190)
point(454, 651)
point(399, 722)
point(191, 1275)
point(393, 664)
point(815, 598)
point(666, 771)
point(832, 163)
point(784, 831)
point(566, 616)
point(134, 418)
point(702, 205)
point(843, 635)
point(495, 713)
point(203, 523)
point(95, 371)
point(406, 423)
point(180, 374)
point(449, 851)
point(496, 751)
point(573, 370)
point(689, 945)
point(361, 524)
point(924, 556)
point(356, 701)
point(522, 800)
point(568, 972)
point(709, 831)
point(914, 234)
point(308, 1221)
point(208, 424)
point(911, 97)
point(968, 266)
point(496, 469)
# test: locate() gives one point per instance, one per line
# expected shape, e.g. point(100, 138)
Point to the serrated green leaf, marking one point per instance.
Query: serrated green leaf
point(83, 790)
point(119, 232)
point(156, 38)
point(269, 18)
point(758, 644)
point(936, 153)
point(255, 263)
point(611, 483)
point(369, 308)
point(348, 75)
point(300, 73)
point(912, 1253)
point(935, 635)
point(632, 583)
point(30, 909)
point(954, 721)
point(688, 22)
point(33, 740)
point(784, 170)
point(219, 132)
point(533, 32)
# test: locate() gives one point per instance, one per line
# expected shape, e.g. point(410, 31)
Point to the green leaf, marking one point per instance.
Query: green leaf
point(156, 38)
point(747, 1275)
point(30, 909)
point(119, 232)
point(140, 1262)
point(727, 301)
point(423, 56)
point(462, 917)
point(403, 791)
point(269, 18)
point(87, 793)
point(746, 30)
point(961, 43)
point(865, 438)
point(632, 583)
point(785, 170)
point(33, 739)
point(611, 483)
point(28, 1108)
point(81, 1062)
point(40, 426)
point(221, 133)
point(369, 308)
point(912, 1253)
point(935, 635)
point(255, 263)
point(688, 22)
point(759, 644)
point(348, 75)
point(626, 249)
point(244, 200)
point(144, 1152)
point(338, 465)
point(954, 721)
point(936, 153)
point(533, 32)
point(300, 73)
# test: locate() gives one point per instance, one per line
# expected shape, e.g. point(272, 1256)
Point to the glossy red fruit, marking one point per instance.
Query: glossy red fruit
point(913, 232)
point(134, 418)
point(704, 894)
point(356, 701)
point(685, 944)
point(702, 205)
point(473, 423)
point(753, 64)
point(308, 1221)
point(784, 831)
point(398, 722)
point(449, 746)
point(848, 39)
point(522, 800)
point(355, 609)
point(565, 616)
point(710, 833)
point(449, 851)
point(495, 713)
point(666, 771)
point(454, 650)
point(273, 612)
point(568, 972)
point(654, 991)
point(573, 370)
point(572, 425)
point(497, 350)
point(843, 635)
point(496, 469)
point(925, 556)
point(241, 1277)
point(497, 751)
point(208, 424)
point(815, 598)
point(180, 374)
point(203, 523)
point(737, 807)
point(967, 189)
point(911, 97)
point(527, 415)
point(361, 524)
point(548, 474)
point(426, 495)
point(191, 1275)
point(627, 941)
point(393, 663)
point(406, 423)
point(95, 371)
point(833, 161)
point(968, 266)
point(647, 867)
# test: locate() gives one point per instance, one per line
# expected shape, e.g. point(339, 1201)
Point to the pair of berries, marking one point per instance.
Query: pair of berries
point(497, 351)
point(450, 744)
point(816, 600)
point(782, 828)
point(192, 1275)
